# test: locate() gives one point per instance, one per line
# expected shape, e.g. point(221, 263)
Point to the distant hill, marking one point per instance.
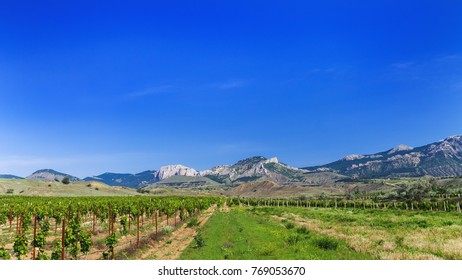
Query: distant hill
point(54, 188)
point(267, 189)
point(8, 176)
point(51, 175)
point(125, 179)
point(179, 181)
point(442, 158)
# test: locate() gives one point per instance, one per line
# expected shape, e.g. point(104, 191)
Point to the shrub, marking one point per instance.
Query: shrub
point(199, 241)
point(303, 230)
point(293, 239)
point(10, 191)
point(290, 225)
point(326, 243)
point(193, 222)
point(143, 190)
point(166, 229)
point(4, 255)
point(66, 180)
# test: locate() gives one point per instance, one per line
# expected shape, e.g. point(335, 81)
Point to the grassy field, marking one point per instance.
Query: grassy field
point(252, 234)
point(54, 188)
point(302, 233)
point(386, 234)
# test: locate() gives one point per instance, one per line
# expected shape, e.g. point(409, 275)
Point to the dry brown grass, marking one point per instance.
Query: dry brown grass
point(418, 244)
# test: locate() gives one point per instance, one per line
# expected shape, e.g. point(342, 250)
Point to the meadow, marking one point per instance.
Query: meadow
point(328, 233)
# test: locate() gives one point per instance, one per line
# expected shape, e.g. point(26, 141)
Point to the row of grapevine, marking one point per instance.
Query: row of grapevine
point(33, 217)
point(426, 205)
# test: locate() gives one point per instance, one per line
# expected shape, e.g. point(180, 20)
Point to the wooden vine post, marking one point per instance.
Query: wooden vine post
point(63, 238)
point(35, 236)
point(174, 216)
point(138, 231)
point(156, 213)
point(93, 228)
point(10, 218)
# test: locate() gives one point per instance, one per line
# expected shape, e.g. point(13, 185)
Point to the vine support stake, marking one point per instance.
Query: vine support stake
point(35, 236)
point(138, 231)
point(63, 238)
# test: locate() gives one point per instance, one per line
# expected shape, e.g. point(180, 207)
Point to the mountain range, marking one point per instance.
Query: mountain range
point(439, 159)
point(442, 158)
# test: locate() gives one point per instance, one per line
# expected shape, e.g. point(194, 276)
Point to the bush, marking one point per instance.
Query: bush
point(293, 239)
point(143, 190)
point(66, 180)
point(199, 241)
point(326, 243)
point(4, 255)
point(303, 230)
point(10, 191)
point(166, 229)
point(193, 222)
point(290, 225)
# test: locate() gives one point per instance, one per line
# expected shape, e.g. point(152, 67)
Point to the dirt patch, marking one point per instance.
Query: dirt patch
point(170, 247)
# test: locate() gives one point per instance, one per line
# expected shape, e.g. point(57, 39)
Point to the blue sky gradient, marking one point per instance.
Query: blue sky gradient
point(125, 86)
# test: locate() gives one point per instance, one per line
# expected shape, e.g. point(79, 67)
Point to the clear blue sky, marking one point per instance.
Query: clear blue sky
point(126, 86)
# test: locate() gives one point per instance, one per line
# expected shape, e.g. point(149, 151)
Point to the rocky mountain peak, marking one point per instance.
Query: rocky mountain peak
point(449, 147)
point(175, 170)
point(454, 138)
point(400, 148)
point(272, 160)
point(251, 160)
point(353, 157)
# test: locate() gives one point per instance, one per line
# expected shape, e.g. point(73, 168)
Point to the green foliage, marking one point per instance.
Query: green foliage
point(326, 243)
point(66, 180)
point(85, 242)
point(40, 241)
point(289, 225)
point(143, 190)
point(293, 239)
point(56, 253)
point(4, 255)
point(166, 229)
point(42, 256)
point(20, 245)
point(303, 230)
point(199, 241)
point(124, 224)
point(76, 240)
point(111, 241)
point(193, 222)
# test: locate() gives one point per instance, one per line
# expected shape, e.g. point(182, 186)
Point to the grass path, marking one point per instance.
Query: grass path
point(245, 234)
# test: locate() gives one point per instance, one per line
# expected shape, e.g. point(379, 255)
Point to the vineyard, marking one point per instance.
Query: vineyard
point(60, 228)
point(88, 227)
